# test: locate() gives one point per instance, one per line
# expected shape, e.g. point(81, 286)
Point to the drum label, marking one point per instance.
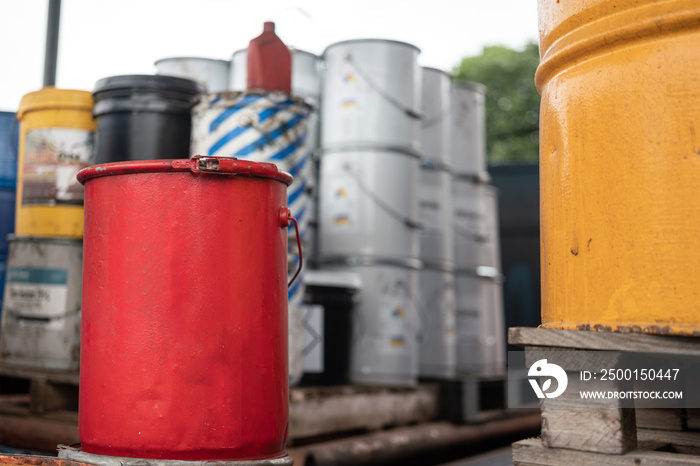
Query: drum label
point(52, 158)
point(37, 296)
point(343, 205)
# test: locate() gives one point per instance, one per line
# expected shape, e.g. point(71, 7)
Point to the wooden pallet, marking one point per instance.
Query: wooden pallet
point(607, 433)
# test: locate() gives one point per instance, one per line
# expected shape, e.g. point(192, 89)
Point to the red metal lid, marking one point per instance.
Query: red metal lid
point(198, 164)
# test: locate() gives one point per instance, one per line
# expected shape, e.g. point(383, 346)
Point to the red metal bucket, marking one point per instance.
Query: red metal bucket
point(184, 324)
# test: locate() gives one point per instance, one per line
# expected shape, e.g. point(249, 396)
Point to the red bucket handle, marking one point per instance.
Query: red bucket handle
point(285, 220)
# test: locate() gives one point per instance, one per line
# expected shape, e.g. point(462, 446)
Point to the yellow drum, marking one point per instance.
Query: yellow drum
point(620, 165)
point(56, 141)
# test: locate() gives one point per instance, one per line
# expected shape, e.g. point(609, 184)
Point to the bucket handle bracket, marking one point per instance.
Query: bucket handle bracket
point(286, 220)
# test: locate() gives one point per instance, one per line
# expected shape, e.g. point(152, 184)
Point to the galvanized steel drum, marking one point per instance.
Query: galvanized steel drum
point(41, 308)
point(368, 204)
point(468, 129)
point(479, 322)
point(438, 343)
point(185, 310)
point(371, 95)
point(385, 347)
point(619, 165)
point(491, 246)
point(56, 141)
point(211, 74)
point(142, 116)
point(437, 236)
point(437, 108)
point(470, 229)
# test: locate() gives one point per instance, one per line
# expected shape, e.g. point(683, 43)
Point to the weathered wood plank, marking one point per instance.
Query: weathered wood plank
point(675, 438)
point(316, 411)
point(660, 418)
point(613, 341)
point(38, 374)
point(532, 452)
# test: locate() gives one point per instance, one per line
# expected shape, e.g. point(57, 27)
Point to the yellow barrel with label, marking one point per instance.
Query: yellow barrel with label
point(620, 165)
point(56, 142)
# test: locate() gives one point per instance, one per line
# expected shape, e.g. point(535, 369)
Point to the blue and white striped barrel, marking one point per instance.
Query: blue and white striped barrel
point(272, 128)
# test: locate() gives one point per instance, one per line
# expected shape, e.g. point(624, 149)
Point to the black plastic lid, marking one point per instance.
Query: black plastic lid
point(148, 82)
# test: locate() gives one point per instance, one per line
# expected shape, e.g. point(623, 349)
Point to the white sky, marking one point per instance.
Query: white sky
point(100, 38)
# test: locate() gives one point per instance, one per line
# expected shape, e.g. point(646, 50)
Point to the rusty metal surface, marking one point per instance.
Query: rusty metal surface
point(397, 445)
point(10, 460)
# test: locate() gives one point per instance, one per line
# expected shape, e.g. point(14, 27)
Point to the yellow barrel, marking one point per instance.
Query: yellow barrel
point(620, 165)
point(56, 141)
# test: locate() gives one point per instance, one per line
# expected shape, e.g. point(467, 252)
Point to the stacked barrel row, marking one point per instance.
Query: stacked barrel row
point(368, 201)
point(479, 319)
point(41, 305)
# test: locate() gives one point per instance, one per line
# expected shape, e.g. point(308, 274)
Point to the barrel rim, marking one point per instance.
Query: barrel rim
point(351, 260)
point(369, 40)
point(11, 237)
point(147, 82)
point(52, 97)
point(215, 60)
point(232, 166)
point(470, 85)
point(438, 70)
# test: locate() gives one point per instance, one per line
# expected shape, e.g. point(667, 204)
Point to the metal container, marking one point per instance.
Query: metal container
point(470, 229)
point(437, 108)
point(9, 141)
point(41, 310)
point(479, 322)
point(468, 129)
point(211, 74)
point(371, 95)
point(437, 235)
point(141, 117)
point(385, 348)
point(368, 204)
point(306, 76)
point(330, 301)
point(438, 344)
point(295, 321)
point(185, 310)
point(272, 128)
point(56, 141)
point(619, 165)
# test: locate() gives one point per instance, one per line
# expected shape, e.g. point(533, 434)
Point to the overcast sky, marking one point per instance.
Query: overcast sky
point(102, 38)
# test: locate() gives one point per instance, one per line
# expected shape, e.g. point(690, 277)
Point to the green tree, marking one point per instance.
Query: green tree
point(512, 102)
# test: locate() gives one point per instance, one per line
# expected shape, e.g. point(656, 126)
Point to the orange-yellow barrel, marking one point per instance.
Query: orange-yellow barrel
point(56, 142)
point(620, 165)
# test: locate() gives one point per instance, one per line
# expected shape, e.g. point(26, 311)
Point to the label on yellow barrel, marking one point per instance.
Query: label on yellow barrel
point(37, 296)
point(52, 158)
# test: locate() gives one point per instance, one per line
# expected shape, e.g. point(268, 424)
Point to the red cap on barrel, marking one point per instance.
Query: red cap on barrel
point(269, 62)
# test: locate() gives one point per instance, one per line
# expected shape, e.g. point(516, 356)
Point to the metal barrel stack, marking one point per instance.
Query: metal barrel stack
point(41, 306)
point(368, 201)
point(436, 278)
point(479, 301)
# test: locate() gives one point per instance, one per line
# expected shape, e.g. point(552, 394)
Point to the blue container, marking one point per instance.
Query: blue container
point(9, 138)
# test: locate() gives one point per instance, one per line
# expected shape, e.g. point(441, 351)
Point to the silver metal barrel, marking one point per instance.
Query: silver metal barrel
point(41, 310)
point(479, 323)
point(368, 204)
point(435, 126)
point(386, 320)
point(468, 129)
point(213, 74)
point(371, 95)
point(438, 344)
